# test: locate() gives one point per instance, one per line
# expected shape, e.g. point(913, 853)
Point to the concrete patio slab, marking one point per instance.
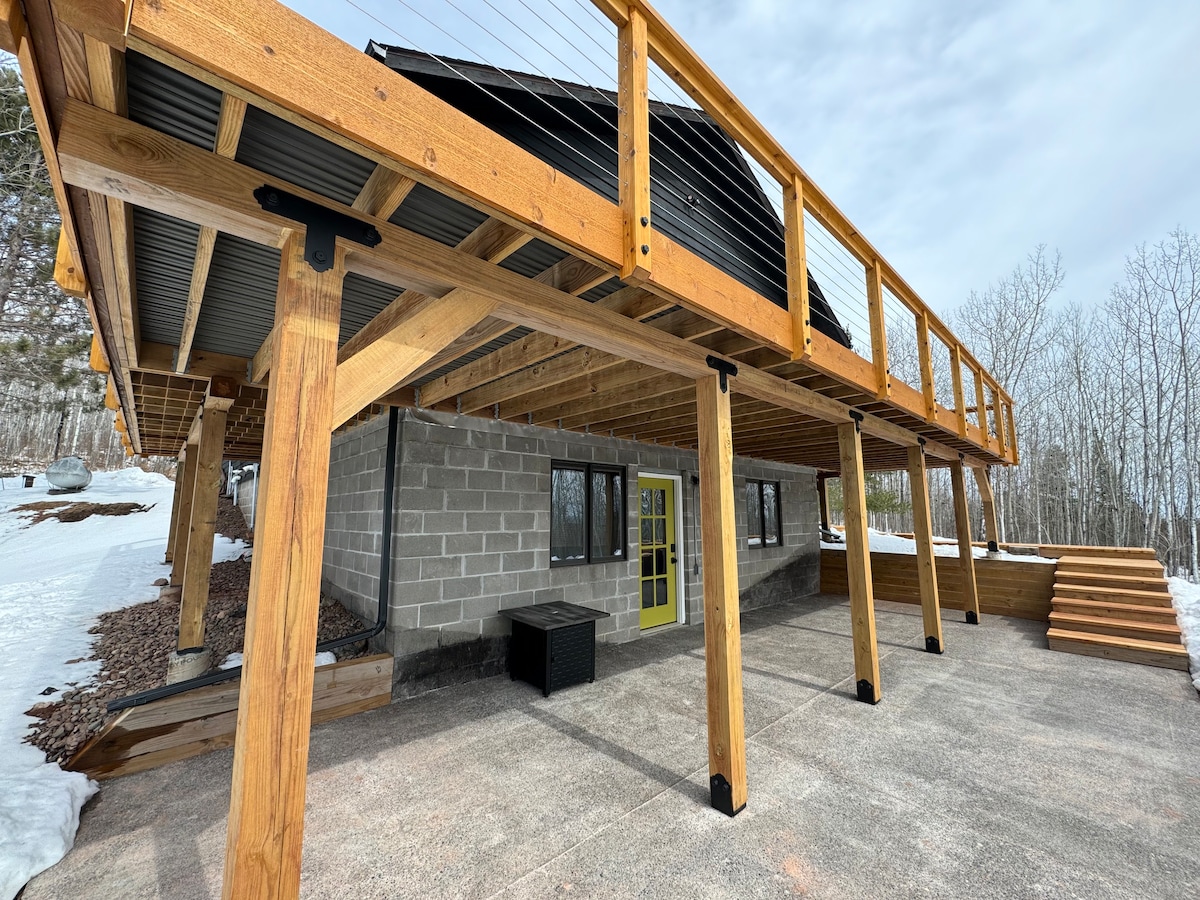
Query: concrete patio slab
point(999, 769)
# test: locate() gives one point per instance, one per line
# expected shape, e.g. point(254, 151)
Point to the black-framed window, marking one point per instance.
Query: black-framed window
point(587, 513)
point(762, 514)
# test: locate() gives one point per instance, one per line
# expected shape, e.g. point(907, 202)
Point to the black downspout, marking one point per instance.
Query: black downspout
point(385, 578)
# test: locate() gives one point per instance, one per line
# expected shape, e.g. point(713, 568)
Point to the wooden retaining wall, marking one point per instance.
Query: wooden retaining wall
point(206, 719)
point(1006, 587)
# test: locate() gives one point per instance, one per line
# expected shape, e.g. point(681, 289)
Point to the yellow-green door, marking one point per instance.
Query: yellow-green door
point(656, 545)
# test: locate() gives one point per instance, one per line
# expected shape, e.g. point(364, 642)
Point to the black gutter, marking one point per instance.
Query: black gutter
point(385, 578)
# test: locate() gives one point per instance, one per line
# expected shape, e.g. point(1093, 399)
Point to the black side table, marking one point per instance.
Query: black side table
point(553, 644)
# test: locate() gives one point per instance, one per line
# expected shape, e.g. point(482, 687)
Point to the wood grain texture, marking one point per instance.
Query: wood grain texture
point(962, 525)
point(879, 347)
point(205, 719)
point(797, 268)
point(173, 528)
point(722, 624)
point(202, 522)
point(858, 563)
point(266, 812)
point(988, 500)
point(383, 193)
point(179, 550)
point(931, 611)
point(633, 150)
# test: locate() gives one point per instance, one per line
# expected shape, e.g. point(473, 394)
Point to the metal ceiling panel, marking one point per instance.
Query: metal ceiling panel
point(239, 301)
point(166, 100)
point(437, 216)
point(162, 272)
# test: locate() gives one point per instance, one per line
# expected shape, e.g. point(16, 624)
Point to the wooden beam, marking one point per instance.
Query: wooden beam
point(722, 622)
point(966, 558)
point(100, 153)
point(383, 193)
point(68, 275)
point(991, 529)
point(879, 348)
point(179, 547)
point(12, 26)
point(229, 132)
point(797, 269)
point(270, 761)
point(104, 20)
point(931, 612)
point(431, 324)
point(96, 359)
point(633, 156)
point(858, 564)
point(202, 521)
point(176, 502)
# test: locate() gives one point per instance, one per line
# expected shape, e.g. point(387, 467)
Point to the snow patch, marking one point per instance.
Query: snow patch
point(1186, 598)
point(55, 579)
point(882, 542)
point(321, 659)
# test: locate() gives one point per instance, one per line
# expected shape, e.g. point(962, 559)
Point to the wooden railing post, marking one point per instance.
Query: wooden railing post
point(981, 405)
point(634, 152)
point(1011, 428)
point(179, 548)
point(931, 611)
point(966, 558)
point(202, 526)
point(960, 405)
point(858, 564)
point(722, 624)
point(925, 353)
point(879, 348)
point(270, 758)
point(988, 500)
point(797, 269)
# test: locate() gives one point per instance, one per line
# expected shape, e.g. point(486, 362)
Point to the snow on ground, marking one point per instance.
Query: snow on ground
point(324, 658)
point(1186, 597)
point(55, 578)
point(882, 542)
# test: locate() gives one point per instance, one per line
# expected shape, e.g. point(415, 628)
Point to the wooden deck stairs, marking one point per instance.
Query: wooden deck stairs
point(1115, 607)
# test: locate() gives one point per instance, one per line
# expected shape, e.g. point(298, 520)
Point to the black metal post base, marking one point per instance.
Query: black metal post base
point(720, 793)
point(932, 644)
point(993, 547)
point(866, 692)
point(972, 617)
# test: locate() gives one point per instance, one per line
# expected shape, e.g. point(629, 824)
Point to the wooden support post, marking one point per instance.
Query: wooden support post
point(991, 529)
point(173, 528)
point(981, 405)
point(797, 269)
point(722, 623)
point(270, 761)
point(931, 611)
point(960, 405)
point(202, 523)
point(633, 131)
point(879, 350)
point(925, 352)
point(858, 564)
point(966, 559)
point(823, 502)
point(179, 547)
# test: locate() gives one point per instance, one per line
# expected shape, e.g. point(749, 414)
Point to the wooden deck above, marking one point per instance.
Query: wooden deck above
point(159, 121)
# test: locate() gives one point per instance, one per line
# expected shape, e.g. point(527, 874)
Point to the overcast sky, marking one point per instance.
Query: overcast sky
point(956, 134)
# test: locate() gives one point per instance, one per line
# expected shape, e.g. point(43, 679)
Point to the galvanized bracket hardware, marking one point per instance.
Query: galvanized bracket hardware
point(724, 368)
point(932, 644)
point(972, 617)
point(720, 793)
point(866, 691)
point(322, 227)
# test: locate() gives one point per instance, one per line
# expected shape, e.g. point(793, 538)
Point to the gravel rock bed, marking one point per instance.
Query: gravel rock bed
point(132, 645)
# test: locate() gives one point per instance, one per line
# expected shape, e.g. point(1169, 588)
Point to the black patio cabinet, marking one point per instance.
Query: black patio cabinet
point(553, 645)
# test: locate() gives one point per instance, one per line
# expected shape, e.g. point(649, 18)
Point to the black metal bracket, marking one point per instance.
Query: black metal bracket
point(972, 617)
point(858, 419)
point(993, 547)
point(932, 644)
point(322, 226)
point(724, 368)
point(866, 692)
point(920, 441)
point(720, 793)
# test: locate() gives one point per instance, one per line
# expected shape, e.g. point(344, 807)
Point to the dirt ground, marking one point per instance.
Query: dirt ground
point(132, 644)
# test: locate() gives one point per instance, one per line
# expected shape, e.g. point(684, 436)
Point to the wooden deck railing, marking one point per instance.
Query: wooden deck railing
point(644, 36)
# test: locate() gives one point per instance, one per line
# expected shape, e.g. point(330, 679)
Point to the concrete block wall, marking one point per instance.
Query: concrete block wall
point(472, 531)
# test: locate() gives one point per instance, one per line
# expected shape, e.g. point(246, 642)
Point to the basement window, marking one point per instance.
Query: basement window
point(762, 514)
point(587, 513)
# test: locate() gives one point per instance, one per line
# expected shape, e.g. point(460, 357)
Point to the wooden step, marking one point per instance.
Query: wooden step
point(1145, 568)
point(1159, 632)
point(1130, 612)
point(1056, 551)
point(1130, 582)
point(1099, 593)
point(1146, 653)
